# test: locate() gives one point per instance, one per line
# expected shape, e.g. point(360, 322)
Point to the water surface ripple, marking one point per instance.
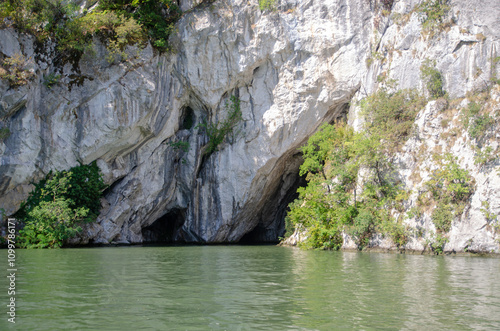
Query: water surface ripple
point(250, 288)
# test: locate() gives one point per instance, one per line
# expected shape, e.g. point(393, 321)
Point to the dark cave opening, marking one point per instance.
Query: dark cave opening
point(187, 118)
point(166, 229)
point(272, 221)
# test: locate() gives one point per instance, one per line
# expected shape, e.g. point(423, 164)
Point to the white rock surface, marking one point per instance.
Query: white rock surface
point(293, 69)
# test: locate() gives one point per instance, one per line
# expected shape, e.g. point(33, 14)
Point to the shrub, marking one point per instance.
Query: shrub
point(50, 224)
point(450, 182)
point(267, 4)
point(57, 205)
point(51, 80)
point(438, 242)
point(432, 14)
point(484, 156)
point(432, 78)
point(331, 202)
point(442, 217)
point(157, 17)
point(180, 145)
point(4, 133)
point(16, 71)
point(218, 132)
point(390, 116)
point(450, 187)
point(480, 125)
point(119, 22)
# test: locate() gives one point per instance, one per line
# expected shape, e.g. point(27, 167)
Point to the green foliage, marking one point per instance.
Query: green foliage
point(442, 217)
point(432, 78)
point(4, 133)
point(119, 22)
point(480, 124)
point(484, 156)
point(438, 242)
point(450, 187)
point(157, 17)
point(15, 70)
point(432, 14)
point(217, 132)
point(267, 5)
point(331, 202)
point(486, 210)
point(50, 224)
point(397, 231)
point(390, 116)
point(337, 199)
point(450, 183)
point(57, 205)
point(477, 124)
point(415, 212)
point(182, 145)
point(51, 80)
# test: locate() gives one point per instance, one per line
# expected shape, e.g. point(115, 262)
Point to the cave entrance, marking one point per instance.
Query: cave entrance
point(166, 229)
point(271, 225)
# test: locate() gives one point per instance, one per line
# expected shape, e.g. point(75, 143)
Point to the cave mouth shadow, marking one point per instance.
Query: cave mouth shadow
point(271, 227)
point(166, 229)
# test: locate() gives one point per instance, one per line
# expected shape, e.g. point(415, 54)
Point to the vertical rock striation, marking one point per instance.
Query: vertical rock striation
point(292, 69)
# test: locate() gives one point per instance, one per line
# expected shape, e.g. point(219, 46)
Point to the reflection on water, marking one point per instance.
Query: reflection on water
point(251, 288)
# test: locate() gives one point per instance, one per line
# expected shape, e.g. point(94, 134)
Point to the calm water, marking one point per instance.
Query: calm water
point(250, 288)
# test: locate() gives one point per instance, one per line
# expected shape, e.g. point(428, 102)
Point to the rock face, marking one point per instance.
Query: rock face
point(292, 68)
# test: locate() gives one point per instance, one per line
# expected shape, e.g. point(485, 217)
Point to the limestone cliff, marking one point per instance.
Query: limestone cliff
point(293, 68)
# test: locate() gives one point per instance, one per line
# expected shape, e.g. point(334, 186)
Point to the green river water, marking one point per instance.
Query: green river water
point(249, 288)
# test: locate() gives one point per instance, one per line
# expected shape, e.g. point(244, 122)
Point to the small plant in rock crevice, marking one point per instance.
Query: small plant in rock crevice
point(432, 15)
point(219, 131)
point(15, 70)
point(4, 133)
point(449, 188)
point(51, 79)
point(432, 78)
point(267, 5)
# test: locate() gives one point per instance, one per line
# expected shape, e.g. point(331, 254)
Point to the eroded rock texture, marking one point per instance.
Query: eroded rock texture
point(292, 69)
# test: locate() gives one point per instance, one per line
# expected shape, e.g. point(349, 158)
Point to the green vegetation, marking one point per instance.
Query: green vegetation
point(390, 116)
point(58, 204)
point(477, 124)
point(4, 133)
point(488, 214)
point(217, 132)
point(352, 186)
point(432, 15)
point(267, 5)
point(449, 188)
point(432, 78)
point(333, 202)
point(480, 125)
point(494, 63)
point(119, 22)
point(156, 17)
point(485, 155)
point(15, 70)
point(437, 243)
point(180, 145)
point(51, 80)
